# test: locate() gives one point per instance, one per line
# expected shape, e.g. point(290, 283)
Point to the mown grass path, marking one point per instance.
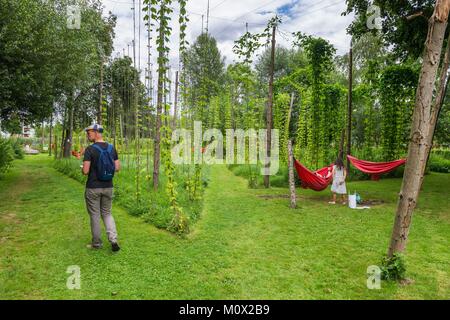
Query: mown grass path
point(248, 244)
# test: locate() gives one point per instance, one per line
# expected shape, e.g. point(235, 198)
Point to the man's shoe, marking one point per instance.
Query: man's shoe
point(90, 246)
point(115, 247)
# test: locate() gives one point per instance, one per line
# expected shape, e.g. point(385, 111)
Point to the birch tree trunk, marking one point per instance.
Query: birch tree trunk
point(439, 100)
point(420, 140)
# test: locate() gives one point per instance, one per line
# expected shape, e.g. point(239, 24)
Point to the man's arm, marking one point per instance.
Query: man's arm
point(117, 165)
point(86, 167)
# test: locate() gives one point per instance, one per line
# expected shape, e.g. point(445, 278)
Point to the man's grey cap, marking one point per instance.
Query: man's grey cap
point(95, 127)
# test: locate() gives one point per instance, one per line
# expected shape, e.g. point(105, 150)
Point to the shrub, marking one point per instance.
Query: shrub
point(153, 207)
point(6, 155)
point(253, 174)
point(444, 153)
point(17, 146)
point(393, 268)
point(438, 163)
point(159, 216)
point(70, 168)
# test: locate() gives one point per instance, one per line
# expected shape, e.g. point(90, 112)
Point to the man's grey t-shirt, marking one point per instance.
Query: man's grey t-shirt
point(91, 154)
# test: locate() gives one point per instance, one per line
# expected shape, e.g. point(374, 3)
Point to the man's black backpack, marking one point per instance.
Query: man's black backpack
point(105, 163)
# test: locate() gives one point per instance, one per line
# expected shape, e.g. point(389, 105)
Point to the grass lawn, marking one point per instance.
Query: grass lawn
point(247, 244)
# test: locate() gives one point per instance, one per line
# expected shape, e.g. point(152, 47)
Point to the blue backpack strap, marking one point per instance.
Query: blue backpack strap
point(109, 148)
point(100, 149)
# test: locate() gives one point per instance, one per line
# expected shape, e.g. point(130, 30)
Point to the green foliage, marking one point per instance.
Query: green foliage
point(397, 91)
point(255, 180)
point(249, 43)
point(71, 168)
point(407, 37)
point(367, 120)
point(241, 227)
point(172, 207)
point(17, 145)
point(280, 122)
point(439, 163)
point(203, 74)
point(442, 133)
point(394, 268)
point(43, 59)
point(6, 155)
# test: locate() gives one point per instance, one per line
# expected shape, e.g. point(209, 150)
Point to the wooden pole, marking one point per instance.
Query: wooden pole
point(291, 176)
point(100, 102)
point(50, 136)
point(159, 102)
point(349, 110)
point(56, 147)
point(174, 122)
point(269, 110)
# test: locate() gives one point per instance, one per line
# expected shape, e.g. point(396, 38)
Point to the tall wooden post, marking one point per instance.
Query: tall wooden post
point(174, 122)
point(291, 176)
point(50, 136)
point(100, 98)
point(56, 147)
point(269, 110)
point(159, 102)
point(43, 135)
point(349, 110)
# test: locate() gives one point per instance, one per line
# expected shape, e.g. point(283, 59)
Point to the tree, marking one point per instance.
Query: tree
point(421, 133)
point(407, 36)
point(204, 71)
point(320, 56)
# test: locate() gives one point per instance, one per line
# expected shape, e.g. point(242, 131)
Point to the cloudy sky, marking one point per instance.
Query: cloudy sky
point(227, 19)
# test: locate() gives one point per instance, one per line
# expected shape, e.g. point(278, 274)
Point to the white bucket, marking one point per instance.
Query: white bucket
point(352, 201)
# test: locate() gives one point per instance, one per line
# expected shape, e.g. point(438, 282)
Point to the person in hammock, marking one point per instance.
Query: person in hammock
point(339, 174)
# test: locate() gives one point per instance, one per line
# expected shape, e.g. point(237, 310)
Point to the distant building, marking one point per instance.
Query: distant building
point(27, 131)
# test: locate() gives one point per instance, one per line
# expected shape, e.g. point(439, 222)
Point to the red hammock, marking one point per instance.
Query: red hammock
point(317, 180)
point(375, 169)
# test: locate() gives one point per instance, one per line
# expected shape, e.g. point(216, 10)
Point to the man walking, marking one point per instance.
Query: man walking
point(100, 162)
